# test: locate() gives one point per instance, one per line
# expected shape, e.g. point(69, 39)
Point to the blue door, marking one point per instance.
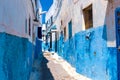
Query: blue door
point(117, 21)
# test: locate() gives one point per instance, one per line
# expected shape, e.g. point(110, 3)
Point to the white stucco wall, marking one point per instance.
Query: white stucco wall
point(51, 10)
point(13, 15)
point(103, 14)
point(110, 22)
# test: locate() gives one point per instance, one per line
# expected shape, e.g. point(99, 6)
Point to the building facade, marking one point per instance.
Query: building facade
point(19, 24)
point(87, 36)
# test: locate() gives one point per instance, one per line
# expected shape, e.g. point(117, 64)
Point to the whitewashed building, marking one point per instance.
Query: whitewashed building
point(18, 31)
point(87, 36)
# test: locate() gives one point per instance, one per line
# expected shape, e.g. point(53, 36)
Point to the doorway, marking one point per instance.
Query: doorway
point(117, 22)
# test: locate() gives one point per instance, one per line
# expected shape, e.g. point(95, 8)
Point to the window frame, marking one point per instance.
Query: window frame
point(70, 29)
point(88, 16)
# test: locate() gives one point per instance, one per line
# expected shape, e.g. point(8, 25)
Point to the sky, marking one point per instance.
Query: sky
point(45, 7)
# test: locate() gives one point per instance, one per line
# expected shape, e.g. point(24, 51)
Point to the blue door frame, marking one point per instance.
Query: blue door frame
point(117, 22)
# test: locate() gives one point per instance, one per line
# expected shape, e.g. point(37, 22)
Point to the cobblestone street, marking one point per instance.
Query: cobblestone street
point(60, 69)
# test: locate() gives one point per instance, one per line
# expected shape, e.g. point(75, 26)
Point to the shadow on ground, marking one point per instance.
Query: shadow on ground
point(40, 71)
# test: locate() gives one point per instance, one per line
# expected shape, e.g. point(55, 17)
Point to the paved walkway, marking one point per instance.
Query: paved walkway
point(40, 70)
point(60, 69)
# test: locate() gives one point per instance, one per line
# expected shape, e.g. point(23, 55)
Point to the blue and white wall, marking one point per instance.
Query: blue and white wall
point(17, 39)
point(94, 57)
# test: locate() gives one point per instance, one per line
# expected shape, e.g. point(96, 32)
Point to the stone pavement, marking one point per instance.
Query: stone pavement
point(60, 69)
point(40, 70)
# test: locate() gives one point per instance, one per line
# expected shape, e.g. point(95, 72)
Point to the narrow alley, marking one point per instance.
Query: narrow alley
point(59, 40)
point(62, 70)
point(53, 67)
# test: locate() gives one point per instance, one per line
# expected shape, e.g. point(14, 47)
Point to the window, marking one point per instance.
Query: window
point(40, 32)
point(51, 19)
point(88, 17)
point(26, 26)
point(33, 34)
point(50, 41)
point(64, 33)
point(61, 23)
point(70, 29)
point(29, 27)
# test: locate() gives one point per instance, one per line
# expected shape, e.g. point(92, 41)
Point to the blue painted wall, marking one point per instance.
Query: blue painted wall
point(112, 64)
point(38, 48)
point(15, 57)
point(87, 51)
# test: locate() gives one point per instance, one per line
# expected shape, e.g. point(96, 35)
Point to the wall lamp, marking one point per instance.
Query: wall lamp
point(38, 13)
point(89, 35)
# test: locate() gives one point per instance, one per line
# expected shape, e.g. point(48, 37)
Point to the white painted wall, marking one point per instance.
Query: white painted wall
point(51, 10)
point(13, 15)
point(110, 22)
point(103, 14)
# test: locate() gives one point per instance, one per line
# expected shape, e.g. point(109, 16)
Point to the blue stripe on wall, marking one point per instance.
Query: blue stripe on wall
point(87, 51)
point(15, 57)
point(38, 48)
point(112, 63)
